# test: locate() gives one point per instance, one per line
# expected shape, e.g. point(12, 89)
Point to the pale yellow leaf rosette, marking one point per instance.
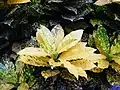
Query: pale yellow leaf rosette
point(58, 51)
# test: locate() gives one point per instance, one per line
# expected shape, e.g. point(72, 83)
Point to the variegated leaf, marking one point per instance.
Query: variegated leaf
point(74, 70)
point(34, 60)
point(46, 40)
point(70, 40)
point(31, 51)
point(49, 73)
point(58, 34)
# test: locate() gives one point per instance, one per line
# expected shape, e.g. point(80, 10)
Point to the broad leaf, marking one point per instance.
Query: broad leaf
point(70, 40)
point(115, 66)
point(115, 49)
point(74, 70)
point(23, 86)
point(17, 1)
point(6, 86)
point(116, 58)
point(49, 73)
point(80, 51)
point(102, 41)
point(31, 51)
point(46, 40)
point(102, 2)
point(84, 64)
point(58, 34)
point(102, 64)
point(34, 60)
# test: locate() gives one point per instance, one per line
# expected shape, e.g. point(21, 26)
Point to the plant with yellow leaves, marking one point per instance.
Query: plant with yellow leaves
point(56, 50)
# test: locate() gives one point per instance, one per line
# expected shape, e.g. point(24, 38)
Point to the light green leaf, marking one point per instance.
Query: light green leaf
point(70, 40)
point(45, 37)
point(58, 34)
point(115, 49)
point(33, 52)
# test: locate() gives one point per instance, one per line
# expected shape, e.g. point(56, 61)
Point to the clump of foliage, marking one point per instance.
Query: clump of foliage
point(111, 51)
point(56, 51)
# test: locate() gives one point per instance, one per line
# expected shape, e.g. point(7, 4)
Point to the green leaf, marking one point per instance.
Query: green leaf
point(102, 41)
point(70, 40)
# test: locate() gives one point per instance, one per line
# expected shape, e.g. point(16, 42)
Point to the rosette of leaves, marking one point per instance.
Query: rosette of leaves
point(56, 50)
point(111, 51)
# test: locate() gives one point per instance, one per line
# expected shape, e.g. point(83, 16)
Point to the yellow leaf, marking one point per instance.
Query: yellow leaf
point(54, 64)
point(49, 73)
point(70, 40)
point(115, 66)
point(58, 34)
point(96, 70)
point(6, 86)
point(33, 52)
point(34, 60)
point(17, 1)
point(116, 58)
point(84, 64)
point(102, 2)
point(74, 70)
point(101, 63)
point(80, 51)
point(23, 86)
